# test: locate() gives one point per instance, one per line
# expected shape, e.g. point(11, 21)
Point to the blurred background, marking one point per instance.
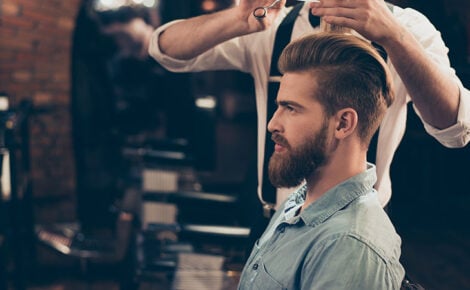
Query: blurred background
point(117, 174)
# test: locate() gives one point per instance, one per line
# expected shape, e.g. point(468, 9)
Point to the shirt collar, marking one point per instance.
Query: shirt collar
point(331, 201)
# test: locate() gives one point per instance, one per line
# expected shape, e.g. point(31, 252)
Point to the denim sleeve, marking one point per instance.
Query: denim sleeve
point(346, 262)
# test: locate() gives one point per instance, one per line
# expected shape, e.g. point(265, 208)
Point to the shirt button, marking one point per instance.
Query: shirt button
point(255, 267)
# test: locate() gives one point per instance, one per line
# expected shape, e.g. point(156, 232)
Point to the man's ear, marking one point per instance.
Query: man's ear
point(346, 122)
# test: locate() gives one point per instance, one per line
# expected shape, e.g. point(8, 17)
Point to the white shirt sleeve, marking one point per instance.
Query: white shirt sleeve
point(457, 135)
point(225, 56)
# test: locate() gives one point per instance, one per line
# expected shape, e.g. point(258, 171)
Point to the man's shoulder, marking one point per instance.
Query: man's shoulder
point(408, 16)
point(362, 222)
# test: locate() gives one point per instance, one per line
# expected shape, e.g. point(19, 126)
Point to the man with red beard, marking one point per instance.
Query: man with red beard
point(332, 232)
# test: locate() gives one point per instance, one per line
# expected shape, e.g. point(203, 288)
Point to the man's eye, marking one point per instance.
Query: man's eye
point(290, 108)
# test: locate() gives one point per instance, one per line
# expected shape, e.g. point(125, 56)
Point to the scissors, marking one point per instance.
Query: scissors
point(260, 12)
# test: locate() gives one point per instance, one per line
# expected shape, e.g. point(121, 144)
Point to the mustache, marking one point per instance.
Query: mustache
point(277, 138)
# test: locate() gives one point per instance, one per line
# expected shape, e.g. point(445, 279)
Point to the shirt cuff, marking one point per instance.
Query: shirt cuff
point(457, 135)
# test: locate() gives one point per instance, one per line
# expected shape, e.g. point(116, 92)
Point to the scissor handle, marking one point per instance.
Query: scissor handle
point(260, 12)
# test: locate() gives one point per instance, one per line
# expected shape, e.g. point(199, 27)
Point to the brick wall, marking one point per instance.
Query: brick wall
point(35, 46)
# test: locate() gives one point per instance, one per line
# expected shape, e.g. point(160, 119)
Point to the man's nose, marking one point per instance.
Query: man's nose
point(273, 124)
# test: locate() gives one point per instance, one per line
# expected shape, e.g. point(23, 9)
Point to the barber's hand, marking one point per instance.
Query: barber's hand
point(370, 18)
point(245, 10)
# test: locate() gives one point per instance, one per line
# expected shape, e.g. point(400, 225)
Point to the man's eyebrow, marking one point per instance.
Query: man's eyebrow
point(288, 103)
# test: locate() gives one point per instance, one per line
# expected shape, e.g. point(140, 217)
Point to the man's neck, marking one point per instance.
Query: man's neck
point(339, 168)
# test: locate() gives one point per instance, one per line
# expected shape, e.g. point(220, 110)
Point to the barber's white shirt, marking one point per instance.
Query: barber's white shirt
point(252, 54)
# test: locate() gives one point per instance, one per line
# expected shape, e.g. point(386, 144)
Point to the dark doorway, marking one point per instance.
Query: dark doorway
point(121, 96)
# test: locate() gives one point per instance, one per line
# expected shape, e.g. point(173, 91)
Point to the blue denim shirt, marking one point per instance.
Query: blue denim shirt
point(343, 240)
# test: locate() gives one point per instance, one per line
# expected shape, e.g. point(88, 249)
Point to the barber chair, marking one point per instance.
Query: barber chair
point(183, 226)
point(113, 248)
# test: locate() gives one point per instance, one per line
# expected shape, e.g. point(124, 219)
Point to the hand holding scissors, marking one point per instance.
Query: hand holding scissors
point(260, 12)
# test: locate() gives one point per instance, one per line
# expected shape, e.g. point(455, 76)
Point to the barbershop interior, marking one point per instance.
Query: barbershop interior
point(119, 174)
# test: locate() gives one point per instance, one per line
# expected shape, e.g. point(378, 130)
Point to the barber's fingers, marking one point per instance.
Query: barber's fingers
point(343, 21)
point(336, 3)
point(337, 12)
point(370, 18)
point(344, 8)
point(366, 11)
